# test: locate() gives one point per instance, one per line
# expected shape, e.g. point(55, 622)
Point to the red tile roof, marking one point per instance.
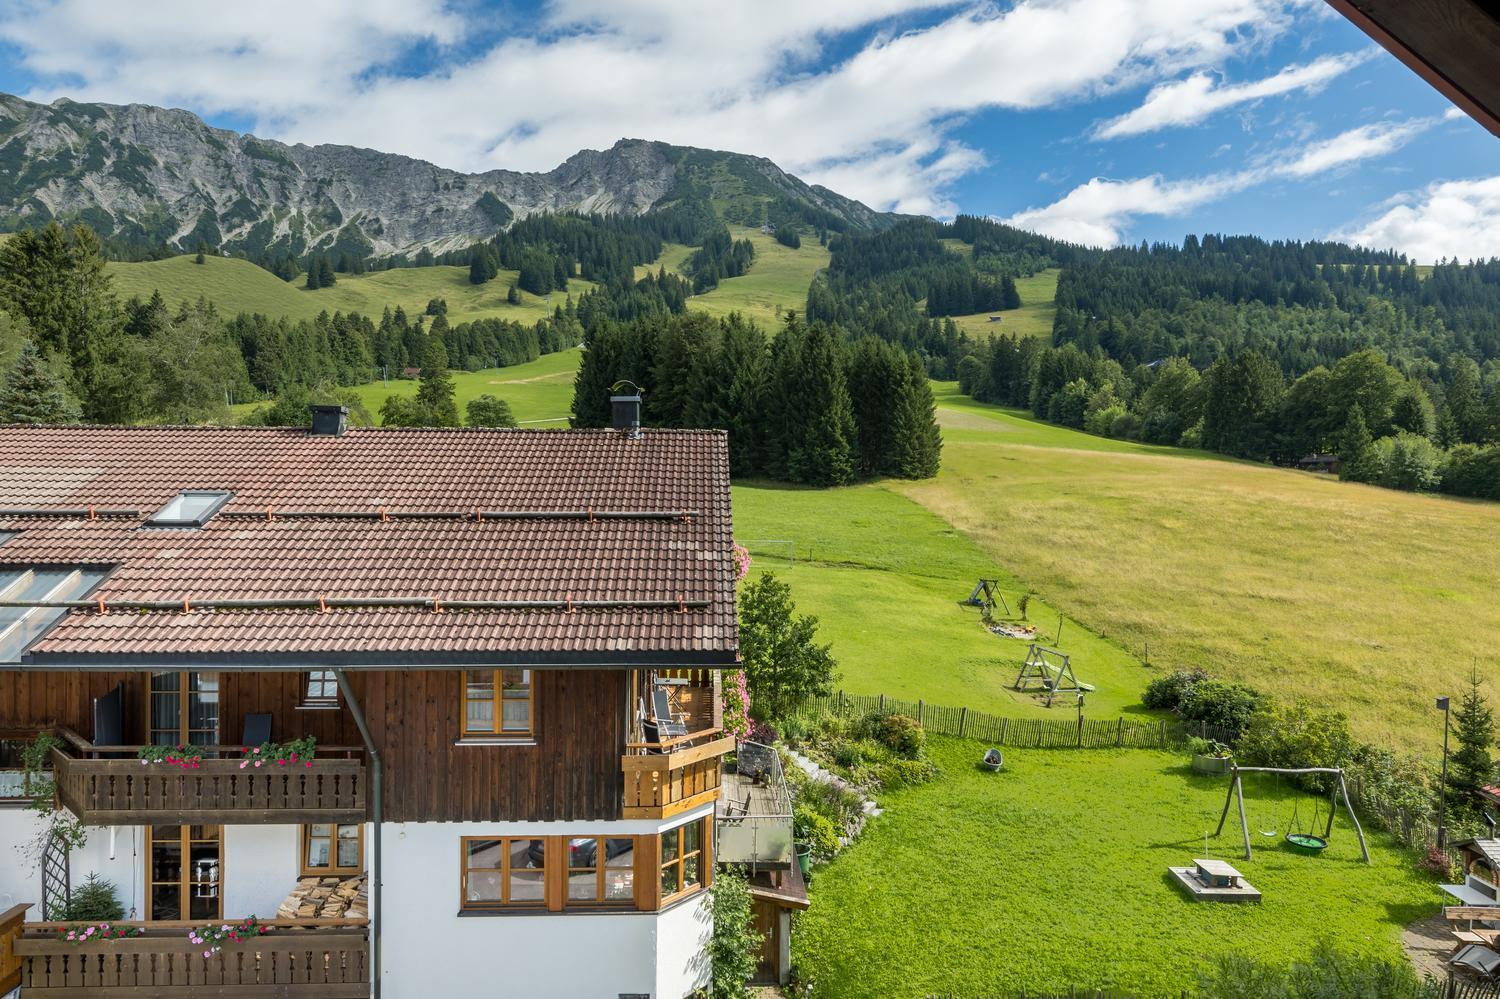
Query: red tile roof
point(327, 540)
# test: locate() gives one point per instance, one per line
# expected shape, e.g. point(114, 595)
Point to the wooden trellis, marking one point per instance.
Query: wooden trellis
point(57, 887)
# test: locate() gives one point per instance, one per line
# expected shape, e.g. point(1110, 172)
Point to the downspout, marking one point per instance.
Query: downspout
point(377, 814)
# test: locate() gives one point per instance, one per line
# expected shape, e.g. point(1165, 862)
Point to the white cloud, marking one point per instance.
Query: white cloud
point(1190, 101)
point(1096, 213)
point(877, 125)
point(1099, 212)
point(1455, 219)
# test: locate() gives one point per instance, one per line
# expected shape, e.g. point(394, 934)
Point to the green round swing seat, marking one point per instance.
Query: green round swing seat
point(1306, 842)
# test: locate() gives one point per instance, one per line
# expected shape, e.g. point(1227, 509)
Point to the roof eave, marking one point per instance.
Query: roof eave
point(380, 660)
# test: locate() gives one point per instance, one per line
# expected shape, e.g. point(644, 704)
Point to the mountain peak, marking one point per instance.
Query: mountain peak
point(147, 175)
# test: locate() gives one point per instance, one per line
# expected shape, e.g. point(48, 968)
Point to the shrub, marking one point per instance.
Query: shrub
point(94, 901)
point(733, 949)
point(1227, 705)
point(840, 805)
point(899, 733)
point(813, 828)
point(847, 754)
point(1297, 736)
point(1101, 420)
point(905, 773)
point(1407, 461)
point(762, 732)
point(1206, 747)
point(1165, 693)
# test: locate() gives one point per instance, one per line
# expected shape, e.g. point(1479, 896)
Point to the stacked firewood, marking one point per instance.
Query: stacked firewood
point(326, 898)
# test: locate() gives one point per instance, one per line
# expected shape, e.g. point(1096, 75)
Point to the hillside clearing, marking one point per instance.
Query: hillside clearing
point(236, 286)
point(1053, 874)
point(1032, 319)
point(778, 279)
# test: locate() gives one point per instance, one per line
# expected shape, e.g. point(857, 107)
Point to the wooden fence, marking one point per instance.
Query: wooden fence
point(1447, 989)
point(1025, 733)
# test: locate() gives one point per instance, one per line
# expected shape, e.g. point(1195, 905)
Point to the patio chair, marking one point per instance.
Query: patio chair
point(668, 725)
point(257, 730)
point(1482, 961)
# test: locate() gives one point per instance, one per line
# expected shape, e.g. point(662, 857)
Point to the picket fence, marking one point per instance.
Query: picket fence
point(1025, 733)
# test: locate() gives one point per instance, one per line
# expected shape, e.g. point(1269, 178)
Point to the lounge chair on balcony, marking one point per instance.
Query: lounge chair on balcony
point(668, 725)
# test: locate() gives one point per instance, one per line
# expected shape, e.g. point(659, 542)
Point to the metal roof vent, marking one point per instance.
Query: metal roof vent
point(626, 409)
point(329, 421)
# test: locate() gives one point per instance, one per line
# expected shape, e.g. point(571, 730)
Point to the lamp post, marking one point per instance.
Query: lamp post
point(1442, 832)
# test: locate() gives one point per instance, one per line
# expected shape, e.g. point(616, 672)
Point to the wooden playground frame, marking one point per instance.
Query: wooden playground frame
point(1049, 670)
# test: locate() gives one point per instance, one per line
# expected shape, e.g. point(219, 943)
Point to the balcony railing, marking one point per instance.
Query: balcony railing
point(122, 791)
point(754, 817)
point(326, 958)
point(665, 778)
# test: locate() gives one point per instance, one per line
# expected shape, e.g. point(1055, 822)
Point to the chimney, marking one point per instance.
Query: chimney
point(329, 421)
point(626, 410)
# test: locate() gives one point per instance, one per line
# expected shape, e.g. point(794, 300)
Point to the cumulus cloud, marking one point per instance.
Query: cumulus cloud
point(1457, 219)
point(1099, 212)
point(1190, 101)
point(875, 122)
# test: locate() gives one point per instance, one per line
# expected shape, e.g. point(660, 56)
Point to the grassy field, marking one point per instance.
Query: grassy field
point(778, 278)
point(1364, 599)
point(885, 578)
point(540, 393)
point(237, 286)
point(1033, 318)
point(1053, 873)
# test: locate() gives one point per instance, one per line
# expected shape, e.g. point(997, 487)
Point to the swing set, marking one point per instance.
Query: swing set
point(1049, 671)
point(1304, 838)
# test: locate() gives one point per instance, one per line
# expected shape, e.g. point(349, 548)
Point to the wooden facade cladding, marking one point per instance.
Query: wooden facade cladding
point(217, 792)
point(658, 786)
point(569, 770)
point(327, 959)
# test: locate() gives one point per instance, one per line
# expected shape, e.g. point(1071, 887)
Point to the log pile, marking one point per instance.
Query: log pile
point(326, 898)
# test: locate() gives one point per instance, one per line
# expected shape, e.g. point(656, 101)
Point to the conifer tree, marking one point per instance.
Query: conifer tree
point(820, 448)
point(1355, 447)
point(918, 440)
point(32, 393)
point(1472, 765)
point(513, 295)
point(435, 392)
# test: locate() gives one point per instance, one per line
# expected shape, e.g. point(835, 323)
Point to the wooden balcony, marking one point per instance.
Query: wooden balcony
point(326, 958)
point(123, 791)
point(663, 779)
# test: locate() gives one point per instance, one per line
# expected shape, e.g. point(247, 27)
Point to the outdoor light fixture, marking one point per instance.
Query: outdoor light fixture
point(1442, 831)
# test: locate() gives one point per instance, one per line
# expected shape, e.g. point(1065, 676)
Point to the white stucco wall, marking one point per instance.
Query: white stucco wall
point(261, 864)
point(430, 950)
point(21, 873)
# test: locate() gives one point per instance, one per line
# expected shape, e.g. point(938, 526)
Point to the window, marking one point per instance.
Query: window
point(601, 871)
point(184, 708)
point(190, 508)
point(332, 848)
point(320, 689)
point(504, 873)
point(13, 785)
point(683, 860)
point(497, 704)
point(185, 872)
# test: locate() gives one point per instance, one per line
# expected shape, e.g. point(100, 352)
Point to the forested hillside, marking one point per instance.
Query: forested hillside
point(1266, 350)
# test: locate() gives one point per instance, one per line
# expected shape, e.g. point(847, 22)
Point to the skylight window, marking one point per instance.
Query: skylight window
point(190, 508)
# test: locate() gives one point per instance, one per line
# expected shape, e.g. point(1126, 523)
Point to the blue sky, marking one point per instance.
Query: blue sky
point(1102, 121)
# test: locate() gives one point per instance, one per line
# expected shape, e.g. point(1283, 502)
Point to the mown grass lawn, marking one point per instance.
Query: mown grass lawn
point(884, 576)
point(1053, 873)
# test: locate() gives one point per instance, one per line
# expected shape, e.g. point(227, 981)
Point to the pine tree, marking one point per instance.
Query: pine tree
point(513, 295)
point(918, 440)
point(822, 444)
point(1464, 400)
point(32, 393)
point(1472, 765)
point(435, 392)
point(1354, 447)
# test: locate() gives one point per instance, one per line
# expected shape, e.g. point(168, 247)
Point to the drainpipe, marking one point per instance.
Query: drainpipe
point(377, 814)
